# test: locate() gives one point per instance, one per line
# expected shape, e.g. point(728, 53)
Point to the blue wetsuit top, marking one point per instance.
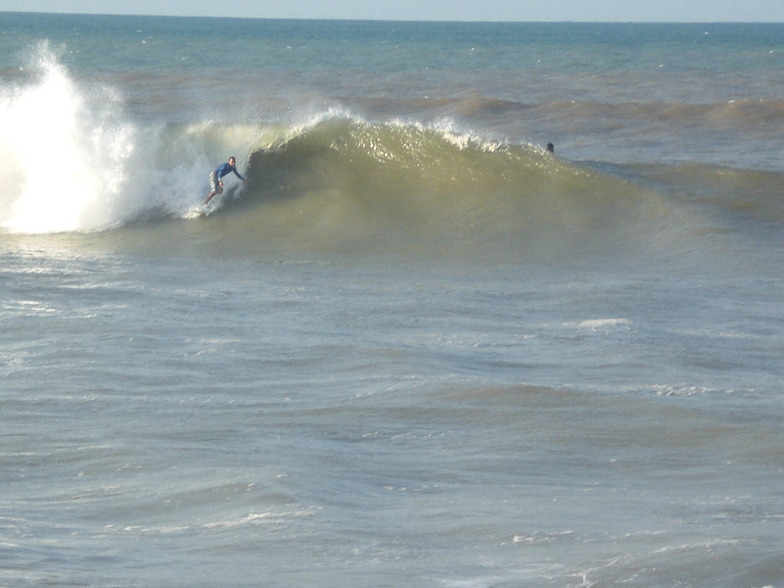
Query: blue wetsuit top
point(225, 169)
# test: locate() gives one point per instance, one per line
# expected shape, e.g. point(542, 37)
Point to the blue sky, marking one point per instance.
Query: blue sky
point(491, 10)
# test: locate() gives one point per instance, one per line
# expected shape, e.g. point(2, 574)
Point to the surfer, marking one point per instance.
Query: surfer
point(216, 184)
point(551, 148)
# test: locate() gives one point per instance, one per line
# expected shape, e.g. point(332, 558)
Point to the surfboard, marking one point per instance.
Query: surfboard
point(198, 212)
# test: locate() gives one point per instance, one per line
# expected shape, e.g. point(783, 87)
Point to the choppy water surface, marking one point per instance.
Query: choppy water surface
point(415, 348)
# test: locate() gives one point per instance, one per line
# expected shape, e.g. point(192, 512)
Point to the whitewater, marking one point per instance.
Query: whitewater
point(415, 348)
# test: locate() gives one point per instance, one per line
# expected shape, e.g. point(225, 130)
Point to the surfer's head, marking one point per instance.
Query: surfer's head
point(232, 161)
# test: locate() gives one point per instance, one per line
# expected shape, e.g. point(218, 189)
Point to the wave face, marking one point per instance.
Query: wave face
point(349, 184)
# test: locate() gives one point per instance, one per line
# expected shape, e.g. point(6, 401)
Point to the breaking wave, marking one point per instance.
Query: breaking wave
point(341, 182)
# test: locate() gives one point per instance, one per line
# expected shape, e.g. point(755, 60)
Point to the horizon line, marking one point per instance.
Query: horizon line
point(409, 20)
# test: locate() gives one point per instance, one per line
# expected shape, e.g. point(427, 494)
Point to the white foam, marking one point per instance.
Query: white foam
point(599, 323)
point(73, 161)
point(64, 151)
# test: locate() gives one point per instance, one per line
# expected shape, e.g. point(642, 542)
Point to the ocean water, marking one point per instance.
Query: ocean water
point(414, 348)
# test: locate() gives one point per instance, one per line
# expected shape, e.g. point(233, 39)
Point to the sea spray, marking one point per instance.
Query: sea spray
point(77, 164)
point(66, 149)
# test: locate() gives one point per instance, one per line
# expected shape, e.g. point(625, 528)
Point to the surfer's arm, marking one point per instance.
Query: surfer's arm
point(238, 174)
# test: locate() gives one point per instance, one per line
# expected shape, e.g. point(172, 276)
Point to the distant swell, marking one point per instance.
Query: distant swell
point(747, 112)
